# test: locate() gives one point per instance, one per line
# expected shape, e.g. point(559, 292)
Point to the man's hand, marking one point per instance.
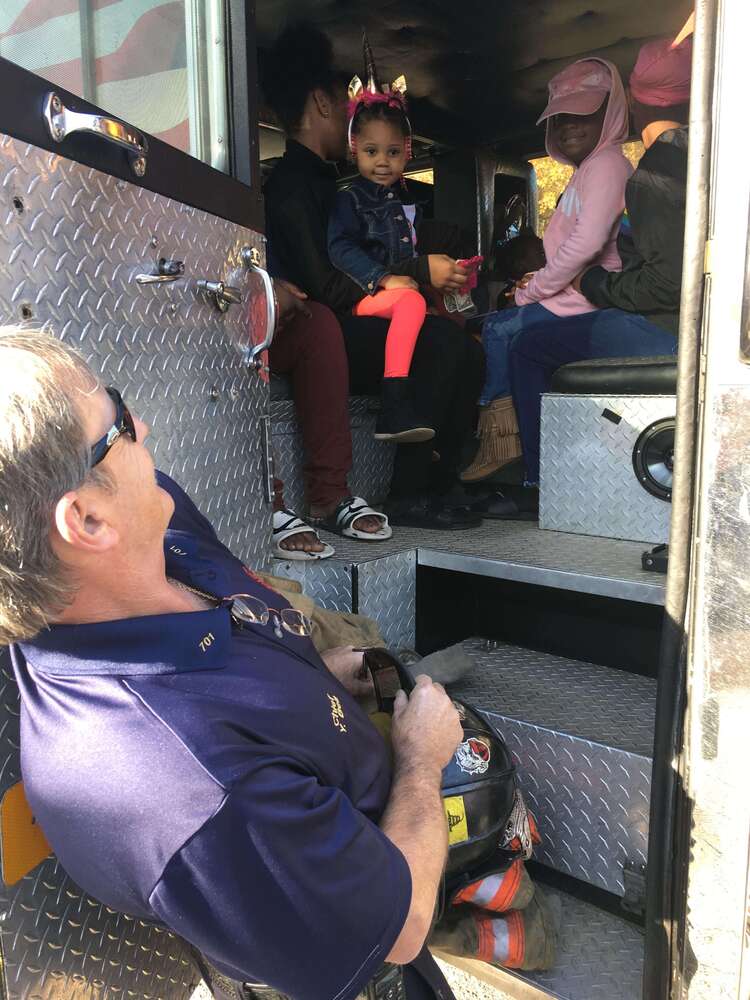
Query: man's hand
point(426, 728)
point(446, 274)
point(390, 281)
point(291, 302)
point(348, 667)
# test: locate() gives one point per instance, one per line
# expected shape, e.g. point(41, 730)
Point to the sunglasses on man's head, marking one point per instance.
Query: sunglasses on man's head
point(123, 425)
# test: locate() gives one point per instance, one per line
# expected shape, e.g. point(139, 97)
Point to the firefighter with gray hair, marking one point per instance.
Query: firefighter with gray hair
point(189, 755)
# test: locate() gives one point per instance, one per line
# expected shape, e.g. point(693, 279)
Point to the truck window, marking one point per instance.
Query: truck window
point(158, 64)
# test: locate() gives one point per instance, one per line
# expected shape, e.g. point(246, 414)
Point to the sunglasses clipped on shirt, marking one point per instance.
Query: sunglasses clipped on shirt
point(123, 425)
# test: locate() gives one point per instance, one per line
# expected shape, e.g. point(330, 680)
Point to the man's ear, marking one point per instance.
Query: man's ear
point(82, 522)
point(321, 102)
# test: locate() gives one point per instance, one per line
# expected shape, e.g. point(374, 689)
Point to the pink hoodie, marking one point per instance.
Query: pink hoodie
point(583, 229)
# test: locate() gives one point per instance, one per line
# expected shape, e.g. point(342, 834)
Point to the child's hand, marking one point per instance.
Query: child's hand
point(523, 282)
point(391, 281)
point(446, 274)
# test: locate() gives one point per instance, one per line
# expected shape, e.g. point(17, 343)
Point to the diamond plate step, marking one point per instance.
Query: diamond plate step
point(513, 550)
point(600, 957)
point(581, 735)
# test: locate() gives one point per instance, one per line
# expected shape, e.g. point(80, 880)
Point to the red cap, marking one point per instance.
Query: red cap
point(579, 89)
point(661, 75)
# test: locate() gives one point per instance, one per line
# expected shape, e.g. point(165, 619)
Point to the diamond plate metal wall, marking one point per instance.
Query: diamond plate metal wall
point(71, 243)
point(328, 583)
point(587, 481)
point(383, 589)
point(372, 460)
point(387, 592)
point(581, 735)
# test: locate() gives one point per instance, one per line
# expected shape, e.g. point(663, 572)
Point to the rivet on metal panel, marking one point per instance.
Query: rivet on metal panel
point(154, 241)
point(139, 166)
point(27, 311)
point(213, 392)
point(18, 205)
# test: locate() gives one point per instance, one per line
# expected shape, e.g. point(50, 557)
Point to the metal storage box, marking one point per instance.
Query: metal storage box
point(587, 481)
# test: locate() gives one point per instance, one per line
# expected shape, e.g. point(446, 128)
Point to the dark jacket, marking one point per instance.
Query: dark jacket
point(300, 195)
point(651, 238)
point(369, 233)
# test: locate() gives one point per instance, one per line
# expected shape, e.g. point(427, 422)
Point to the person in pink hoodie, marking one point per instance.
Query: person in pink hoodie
point(587, 123)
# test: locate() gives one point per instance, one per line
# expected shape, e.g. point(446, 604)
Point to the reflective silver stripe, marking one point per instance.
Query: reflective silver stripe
point(487, 890)
point(502, 940)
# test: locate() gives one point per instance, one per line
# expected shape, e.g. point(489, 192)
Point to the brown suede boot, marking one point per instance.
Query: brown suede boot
point(499, 442)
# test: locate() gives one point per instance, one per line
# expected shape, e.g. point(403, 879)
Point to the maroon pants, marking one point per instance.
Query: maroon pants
point(310, 350)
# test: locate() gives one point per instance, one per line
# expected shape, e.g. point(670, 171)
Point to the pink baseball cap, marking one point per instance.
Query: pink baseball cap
point(661, 75)
point(579, 89)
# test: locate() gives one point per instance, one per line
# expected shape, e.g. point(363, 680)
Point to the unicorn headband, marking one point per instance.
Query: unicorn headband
point(365, 95)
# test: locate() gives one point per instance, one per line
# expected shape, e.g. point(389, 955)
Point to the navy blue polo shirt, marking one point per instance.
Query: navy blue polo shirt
point(220, 781)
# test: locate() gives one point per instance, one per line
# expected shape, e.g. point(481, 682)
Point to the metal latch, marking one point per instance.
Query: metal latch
point(62, 122)
point(166, 270)
point(634, 880)
point(223, 295)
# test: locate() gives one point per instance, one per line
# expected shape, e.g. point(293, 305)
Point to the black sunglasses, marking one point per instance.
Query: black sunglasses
point(123, 425)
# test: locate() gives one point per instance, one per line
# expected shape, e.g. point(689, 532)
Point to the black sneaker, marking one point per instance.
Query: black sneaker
point(397, 420)
point(424, 512)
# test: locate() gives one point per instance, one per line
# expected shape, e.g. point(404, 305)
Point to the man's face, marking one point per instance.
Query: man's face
point(577, 136)
point(139, 508)
point(336, 125)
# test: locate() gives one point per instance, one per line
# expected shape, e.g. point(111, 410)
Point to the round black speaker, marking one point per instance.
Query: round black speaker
point(653, 458)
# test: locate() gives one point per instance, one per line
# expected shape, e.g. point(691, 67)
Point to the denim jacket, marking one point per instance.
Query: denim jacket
point(369, 233)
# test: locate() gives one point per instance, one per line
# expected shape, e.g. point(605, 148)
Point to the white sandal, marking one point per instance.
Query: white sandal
point(285, 524)
point(341, 521)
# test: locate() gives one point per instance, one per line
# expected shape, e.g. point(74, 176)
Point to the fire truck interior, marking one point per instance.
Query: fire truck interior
point(562, 619)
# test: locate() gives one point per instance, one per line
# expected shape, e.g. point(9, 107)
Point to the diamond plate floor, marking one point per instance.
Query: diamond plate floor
point(600, 957)
point(513, 550)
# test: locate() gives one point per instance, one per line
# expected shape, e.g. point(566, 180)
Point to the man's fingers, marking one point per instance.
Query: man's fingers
point(400, 702)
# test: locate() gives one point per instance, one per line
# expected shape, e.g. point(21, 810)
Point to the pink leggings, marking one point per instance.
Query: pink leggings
point(406, 309)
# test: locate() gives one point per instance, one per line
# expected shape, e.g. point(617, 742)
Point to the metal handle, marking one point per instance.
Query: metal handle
point(250, 258)
point(62, 122)
point(167, 270)
point(224, 295)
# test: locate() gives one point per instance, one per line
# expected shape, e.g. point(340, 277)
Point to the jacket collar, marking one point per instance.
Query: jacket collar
point(300, 156)
point(371, 189)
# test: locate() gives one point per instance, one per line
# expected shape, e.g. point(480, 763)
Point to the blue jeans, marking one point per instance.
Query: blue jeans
point(547, 342)
point(498, 330)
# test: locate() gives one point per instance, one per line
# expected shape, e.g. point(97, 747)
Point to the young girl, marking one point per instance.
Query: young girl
point(372, 238)
point(587, 122)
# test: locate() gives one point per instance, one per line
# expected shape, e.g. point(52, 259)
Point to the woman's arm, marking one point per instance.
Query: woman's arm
point(602, 204)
